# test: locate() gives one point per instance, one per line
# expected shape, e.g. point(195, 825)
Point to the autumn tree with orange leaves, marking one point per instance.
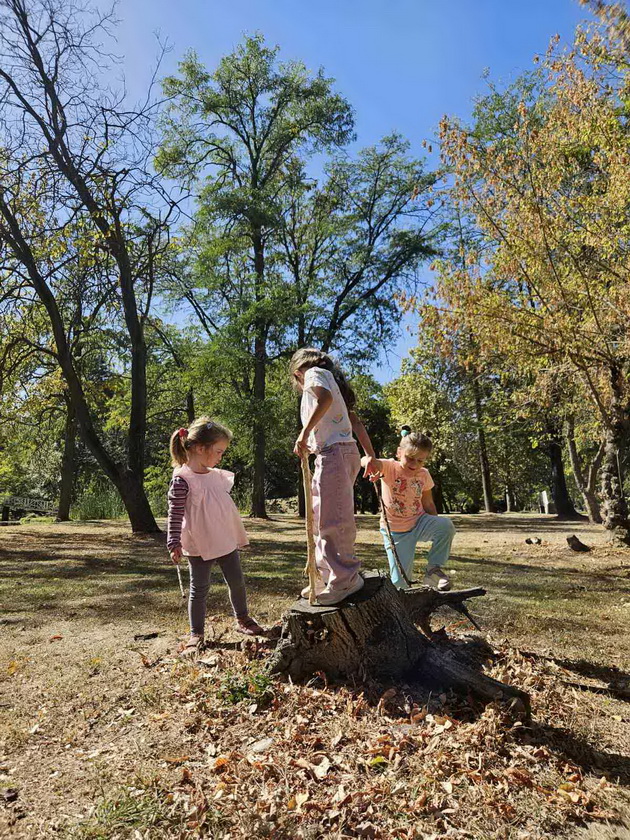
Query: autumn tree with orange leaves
point(543, 175)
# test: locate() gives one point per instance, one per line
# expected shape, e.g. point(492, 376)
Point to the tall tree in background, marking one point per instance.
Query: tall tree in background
point(234, 132)
point(276, 260)
point(550, 192)
point(76, 186)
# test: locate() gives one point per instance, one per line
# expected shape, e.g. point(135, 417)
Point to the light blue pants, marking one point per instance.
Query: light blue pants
point(438, 530)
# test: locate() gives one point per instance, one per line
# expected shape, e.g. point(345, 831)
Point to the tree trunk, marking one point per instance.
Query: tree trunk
point(136, 503)
point(614, 506)
point(484, 463)
point(190, 406)
point(260, 374)
point(586, 486)
point(68, 465)
point(559, 490)
point(510, 499)
point(373, 635)
point(438, 492)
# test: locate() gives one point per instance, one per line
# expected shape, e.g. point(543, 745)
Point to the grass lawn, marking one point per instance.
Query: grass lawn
point(105, 735)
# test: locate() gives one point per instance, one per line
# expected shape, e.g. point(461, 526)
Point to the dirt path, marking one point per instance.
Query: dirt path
point(87, 709)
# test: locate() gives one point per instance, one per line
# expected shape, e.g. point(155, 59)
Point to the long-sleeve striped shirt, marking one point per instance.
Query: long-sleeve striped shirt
point(177, 494)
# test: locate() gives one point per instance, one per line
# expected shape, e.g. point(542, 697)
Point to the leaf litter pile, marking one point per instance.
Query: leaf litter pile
point(266, 758)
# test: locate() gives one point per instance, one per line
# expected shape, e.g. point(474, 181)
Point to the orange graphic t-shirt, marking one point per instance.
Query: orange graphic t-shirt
point(402, 494)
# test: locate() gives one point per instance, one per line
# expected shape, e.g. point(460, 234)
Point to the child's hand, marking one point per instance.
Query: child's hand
point(369, 463)
point(300, 447)
point(176, 555)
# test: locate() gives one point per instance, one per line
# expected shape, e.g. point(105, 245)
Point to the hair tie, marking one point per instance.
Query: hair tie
point(183, 433)
point(405, 431)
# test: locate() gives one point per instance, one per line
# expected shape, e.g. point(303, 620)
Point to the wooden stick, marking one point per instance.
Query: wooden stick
point(310, 570)
point(179, 578)
point(392, 544)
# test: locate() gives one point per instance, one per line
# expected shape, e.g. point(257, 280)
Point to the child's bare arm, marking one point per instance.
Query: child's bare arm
point(362, 436)
point(428, 504)
point(376, 464)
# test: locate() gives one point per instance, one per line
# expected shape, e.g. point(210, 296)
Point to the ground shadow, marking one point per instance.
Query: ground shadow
point(569, 747)
point(501, 522)
point(617, 681)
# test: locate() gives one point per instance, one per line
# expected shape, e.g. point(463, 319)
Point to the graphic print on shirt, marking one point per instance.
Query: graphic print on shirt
point(399, 489)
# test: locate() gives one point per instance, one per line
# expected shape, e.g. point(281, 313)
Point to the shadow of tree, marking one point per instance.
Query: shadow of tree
point(569, 747)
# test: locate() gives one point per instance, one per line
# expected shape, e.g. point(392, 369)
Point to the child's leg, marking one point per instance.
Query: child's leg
point(340, 465)
point(405, 542)
point(320, 559)
point(199, 582)
point(233, 575)
point(439, 531)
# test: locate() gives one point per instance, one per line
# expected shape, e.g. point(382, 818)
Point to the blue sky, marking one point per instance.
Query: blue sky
point(402, 64)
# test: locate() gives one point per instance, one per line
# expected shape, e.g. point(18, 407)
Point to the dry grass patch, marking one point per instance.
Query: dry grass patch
point(105, 736)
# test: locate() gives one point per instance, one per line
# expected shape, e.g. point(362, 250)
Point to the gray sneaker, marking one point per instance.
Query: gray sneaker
point(334, 595)
point(319, 588)
point(436, 579)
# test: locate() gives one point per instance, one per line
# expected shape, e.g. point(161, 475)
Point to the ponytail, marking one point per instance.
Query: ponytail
point(179, 456)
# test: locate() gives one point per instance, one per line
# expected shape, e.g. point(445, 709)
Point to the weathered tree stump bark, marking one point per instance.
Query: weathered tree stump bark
point(373, 635)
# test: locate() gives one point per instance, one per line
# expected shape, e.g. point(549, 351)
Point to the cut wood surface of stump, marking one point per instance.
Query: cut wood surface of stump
point(373, 634)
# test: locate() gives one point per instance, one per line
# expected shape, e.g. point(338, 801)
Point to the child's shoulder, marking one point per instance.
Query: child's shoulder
point(318, 373)
point(425, 476)
point(391, 468)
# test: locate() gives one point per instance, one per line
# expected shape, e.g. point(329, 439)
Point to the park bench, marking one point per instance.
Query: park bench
point(20, 505)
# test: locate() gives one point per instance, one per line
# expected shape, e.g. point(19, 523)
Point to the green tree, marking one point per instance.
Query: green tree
point(76, 188)
point(233, 133)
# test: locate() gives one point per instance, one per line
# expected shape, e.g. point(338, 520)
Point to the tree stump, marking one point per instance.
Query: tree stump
point(373, 635)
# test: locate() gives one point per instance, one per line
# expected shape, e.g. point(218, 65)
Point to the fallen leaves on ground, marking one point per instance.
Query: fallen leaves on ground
point(320, 760)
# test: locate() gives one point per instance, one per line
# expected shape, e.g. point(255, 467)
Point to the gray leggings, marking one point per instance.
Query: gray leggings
point(200, 583)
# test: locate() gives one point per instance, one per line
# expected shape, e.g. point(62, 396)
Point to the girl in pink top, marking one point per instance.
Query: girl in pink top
point(411, 512)
point(204, 524)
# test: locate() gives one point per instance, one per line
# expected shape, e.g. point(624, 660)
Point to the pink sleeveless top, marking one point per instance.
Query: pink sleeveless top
point(212, 525)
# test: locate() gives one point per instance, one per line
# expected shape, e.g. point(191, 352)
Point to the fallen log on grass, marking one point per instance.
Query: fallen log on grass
point(373, 635)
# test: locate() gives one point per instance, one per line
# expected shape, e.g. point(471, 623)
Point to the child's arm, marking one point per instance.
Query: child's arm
point(374, 464)
point(428, 504)
point(370, 463)
point(177, 494)
point(324, 399)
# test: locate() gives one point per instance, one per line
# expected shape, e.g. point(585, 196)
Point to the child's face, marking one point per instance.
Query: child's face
point(413, 459)
point(210, 456)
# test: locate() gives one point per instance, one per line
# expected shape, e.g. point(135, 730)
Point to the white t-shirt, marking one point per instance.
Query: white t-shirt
point(335, 425)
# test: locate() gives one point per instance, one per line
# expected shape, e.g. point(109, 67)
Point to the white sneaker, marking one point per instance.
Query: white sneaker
point(336, 594)
point(319, 588)
point(436, 579)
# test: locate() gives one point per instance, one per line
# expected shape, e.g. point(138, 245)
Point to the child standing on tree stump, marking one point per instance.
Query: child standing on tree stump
point(411, 512)
point(204, 524)
point(328, 421)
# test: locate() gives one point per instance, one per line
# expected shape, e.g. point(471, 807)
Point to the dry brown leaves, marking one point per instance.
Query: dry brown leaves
point(325, 761)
